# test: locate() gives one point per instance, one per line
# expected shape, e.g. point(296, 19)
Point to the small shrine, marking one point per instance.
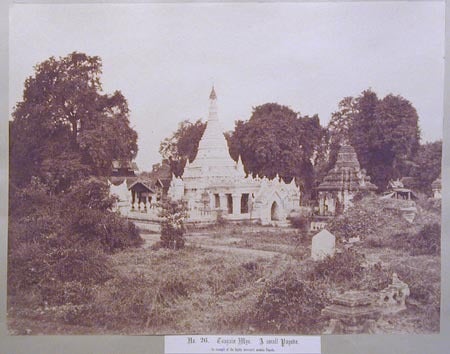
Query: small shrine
point(397, 190)
point(342, 183)
point(436, 187)
point(141, 193)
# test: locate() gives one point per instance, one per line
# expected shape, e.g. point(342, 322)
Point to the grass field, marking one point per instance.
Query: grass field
point(215, 285)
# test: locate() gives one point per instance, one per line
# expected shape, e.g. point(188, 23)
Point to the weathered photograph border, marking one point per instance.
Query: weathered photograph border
point(330, 344)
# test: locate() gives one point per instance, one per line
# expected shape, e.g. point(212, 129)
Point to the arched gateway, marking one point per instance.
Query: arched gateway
point(275, 212)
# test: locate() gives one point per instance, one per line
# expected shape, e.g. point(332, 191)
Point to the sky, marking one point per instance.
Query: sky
point(164, 58)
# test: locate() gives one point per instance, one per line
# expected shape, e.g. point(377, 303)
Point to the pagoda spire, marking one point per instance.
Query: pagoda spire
point(213, 106)
point(212, 95)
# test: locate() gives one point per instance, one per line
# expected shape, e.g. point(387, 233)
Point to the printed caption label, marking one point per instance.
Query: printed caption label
point(242, 344)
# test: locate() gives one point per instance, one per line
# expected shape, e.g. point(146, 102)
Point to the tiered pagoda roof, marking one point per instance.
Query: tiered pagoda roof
point(346, 174)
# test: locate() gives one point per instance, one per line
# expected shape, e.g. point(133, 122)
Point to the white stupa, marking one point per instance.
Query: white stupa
point(215, 183)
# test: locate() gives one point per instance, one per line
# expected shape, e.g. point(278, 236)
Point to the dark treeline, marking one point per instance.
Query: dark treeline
point(276, 140)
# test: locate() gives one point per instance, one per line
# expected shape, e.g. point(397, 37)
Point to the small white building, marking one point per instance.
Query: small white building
point(215, 184)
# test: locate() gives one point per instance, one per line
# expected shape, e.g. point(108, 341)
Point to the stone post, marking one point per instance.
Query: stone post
point(212, 201)
point(236, 203)
point(321, 203)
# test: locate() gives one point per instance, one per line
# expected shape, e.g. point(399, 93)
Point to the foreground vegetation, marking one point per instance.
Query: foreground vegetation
point(254, 284)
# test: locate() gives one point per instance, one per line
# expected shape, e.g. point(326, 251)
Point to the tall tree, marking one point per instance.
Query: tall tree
point(182, 145)
point(276, 140)
point(398, 123)
point(426, 166)
point(337, 133)
point(65, 127)
point(363, 129)
point(384, 133)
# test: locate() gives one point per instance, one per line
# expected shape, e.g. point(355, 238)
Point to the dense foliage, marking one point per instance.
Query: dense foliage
point(425, 241)
point(289, 303)
point(276, 140)
point(182, 145)
point(173, 214)
point(65, 128)
point(369, 217)
point(426, 167)
point(384, 132)
point(64, 136)
point(57, 240)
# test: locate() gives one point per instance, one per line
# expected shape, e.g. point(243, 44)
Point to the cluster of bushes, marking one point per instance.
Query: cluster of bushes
point(349, 270)
point(289, 303)
point(425, 241)
point(422, 274)
point(345, 268)
point(131, 300)
point(377, 222)
point(368, 217)
point(58, 242)
point(236, 277)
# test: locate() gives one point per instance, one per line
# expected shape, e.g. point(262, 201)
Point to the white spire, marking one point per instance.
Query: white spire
point(213, 158)
point(212, 116)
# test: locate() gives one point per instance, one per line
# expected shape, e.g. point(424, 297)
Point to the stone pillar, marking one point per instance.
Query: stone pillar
point(223, 202)
point(212, 201)
point(133, 199)
point(146, 203)
point(236, 203)
point(321, 203)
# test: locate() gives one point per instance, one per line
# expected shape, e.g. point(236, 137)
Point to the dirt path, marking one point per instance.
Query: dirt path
point(206, 241)
point(249, 252)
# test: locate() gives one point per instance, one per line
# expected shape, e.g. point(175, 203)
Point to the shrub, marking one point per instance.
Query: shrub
point(173, 214)
point(56, 275)
point(422, 274)
point(345, 268)
point(370, 217)
point(134, 300)
point(290, 304)
point(57, 243)
point(375, 278)
point(224, 278)
point(426, 241)
point(299, 222)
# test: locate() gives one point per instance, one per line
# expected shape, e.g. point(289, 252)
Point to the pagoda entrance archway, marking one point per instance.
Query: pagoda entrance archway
point(275, 212)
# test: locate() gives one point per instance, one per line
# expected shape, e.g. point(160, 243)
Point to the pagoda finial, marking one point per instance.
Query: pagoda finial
point(212, 95)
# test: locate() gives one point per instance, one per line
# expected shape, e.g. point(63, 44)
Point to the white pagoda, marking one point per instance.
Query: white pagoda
point(215, 184)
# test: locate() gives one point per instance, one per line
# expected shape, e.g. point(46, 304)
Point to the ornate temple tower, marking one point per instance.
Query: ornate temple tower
point(342, 182)
point(215, 183)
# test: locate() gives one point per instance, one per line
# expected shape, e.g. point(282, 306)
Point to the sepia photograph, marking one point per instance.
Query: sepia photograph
point(225, 168)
